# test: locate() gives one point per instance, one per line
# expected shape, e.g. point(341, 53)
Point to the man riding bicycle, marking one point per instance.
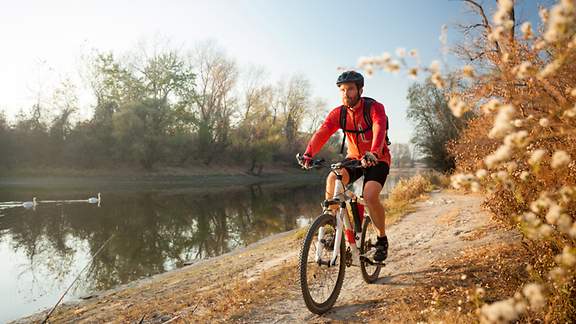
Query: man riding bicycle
point(364, 123)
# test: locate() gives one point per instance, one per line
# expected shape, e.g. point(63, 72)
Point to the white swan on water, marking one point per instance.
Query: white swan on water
point(34, 202)
point(94, 200)
point(29, 204)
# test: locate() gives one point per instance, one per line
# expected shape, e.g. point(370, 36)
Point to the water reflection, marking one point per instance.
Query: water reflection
point(152, 232)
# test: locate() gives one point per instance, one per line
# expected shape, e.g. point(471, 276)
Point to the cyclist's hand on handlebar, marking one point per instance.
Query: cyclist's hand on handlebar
point(369, 159)
point(305, 161)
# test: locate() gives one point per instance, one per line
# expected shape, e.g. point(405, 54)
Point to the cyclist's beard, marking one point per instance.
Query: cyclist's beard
point(351, 101)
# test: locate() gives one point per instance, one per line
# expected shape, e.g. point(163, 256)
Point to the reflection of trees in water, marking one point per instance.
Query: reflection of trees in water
point(153, 232)
point(43, 242)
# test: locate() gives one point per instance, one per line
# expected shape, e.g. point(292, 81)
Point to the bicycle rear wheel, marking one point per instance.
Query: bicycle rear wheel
point(370, 272)
point(319, 281)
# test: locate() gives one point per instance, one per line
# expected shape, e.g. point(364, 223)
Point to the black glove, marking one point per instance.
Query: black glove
point(369, 159)
point(304, 160)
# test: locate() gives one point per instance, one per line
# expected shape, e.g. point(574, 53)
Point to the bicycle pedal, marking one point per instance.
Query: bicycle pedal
point(372, 262)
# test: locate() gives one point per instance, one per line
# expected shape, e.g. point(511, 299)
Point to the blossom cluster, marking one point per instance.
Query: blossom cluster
point(509, 310)
point(384, 62)
point(458, 106)
point(559, 20)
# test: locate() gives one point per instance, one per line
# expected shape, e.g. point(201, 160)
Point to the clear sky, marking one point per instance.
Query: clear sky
point(312, 38)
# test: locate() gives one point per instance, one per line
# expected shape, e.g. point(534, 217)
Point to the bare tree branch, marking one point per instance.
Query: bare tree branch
point(478, 8)
point(480, 11)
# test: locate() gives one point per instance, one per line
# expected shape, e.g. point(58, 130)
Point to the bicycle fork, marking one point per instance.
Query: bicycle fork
point(343, 226)
point(340, 225)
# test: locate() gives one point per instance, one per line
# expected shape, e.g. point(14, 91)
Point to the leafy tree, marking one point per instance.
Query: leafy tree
point(214, 102)
point(294, 100)
point(31, 143)
point(140, 104)
point(256, 137)
point(64, 104)
point(6, 141)
point(434, 124)
point(139, 131)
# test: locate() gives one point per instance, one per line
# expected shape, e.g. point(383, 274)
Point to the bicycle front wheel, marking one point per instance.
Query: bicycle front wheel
point(321, 282)
point(370, 272)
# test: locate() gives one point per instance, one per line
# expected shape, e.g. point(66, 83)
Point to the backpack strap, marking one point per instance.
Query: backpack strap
point(387, 139)
point(343, 127)
point(368, 117)
point(367, 109)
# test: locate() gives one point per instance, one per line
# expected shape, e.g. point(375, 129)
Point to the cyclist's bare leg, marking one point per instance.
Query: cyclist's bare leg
point(331, 183)
point(372, 198)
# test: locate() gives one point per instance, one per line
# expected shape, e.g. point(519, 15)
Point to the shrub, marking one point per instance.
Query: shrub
point(521, 148)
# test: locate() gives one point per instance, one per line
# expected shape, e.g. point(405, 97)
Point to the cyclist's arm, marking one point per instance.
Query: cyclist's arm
point(330, 126)
point(379, 119)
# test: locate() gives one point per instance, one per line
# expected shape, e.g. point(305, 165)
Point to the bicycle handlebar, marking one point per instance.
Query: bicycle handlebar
point(319, 163)
point(352, 164)
point(314, 163)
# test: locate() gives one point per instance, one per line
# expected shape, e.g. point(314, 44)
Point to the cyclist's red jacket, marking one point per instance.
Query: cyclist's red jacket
point(373, 140)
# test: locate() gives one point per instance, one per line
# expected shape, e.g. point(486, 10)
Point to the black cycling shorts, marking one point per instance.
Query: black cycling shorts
point(377, 173)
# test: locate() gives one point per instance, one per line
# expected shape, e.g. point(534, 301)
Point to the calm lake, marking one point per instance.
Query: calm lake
point(152, 229)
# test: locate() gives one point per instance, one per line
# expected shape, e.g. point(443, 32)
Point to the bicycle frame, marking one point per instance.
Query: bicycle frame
point(341, 197)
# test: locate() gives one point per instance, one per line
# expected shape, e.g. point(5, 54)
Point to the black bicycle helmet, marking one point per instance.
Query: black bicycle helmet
point(351, 76)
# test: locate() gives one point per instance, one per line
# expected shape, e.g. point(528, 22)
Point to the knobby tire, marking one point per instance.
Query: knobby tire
point(306, 267)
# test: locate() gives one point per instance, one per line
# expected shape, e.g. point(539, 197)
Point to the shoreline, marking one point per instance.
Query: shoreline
point(165, 181)
point(168, 180)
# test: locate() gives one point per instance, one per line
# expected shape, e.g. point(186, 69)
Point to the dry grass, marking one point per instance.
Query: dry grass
point(447, 292)
point(239, 298)
point(437, 179)
point(521, 148)
point(401, 199)
point(217, 290)
point(300, 233)
point(409, 189)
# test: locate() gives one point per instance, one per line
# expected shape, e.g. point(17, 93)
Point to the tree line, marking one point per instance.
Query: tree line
point(170, 108)
point(165, 108)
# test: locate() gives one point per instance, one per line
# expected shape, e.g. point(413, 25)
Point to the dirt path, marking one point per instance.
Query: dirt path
point(437, 245)
point(442, 228)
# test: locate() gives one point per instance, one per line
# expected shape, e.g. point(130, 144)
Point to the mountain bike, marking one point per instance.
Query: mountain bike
point(325, 255)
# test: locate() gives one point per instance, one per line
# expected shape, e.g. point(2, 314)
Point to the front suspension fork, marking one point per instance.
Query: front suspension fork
point(343, 224)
